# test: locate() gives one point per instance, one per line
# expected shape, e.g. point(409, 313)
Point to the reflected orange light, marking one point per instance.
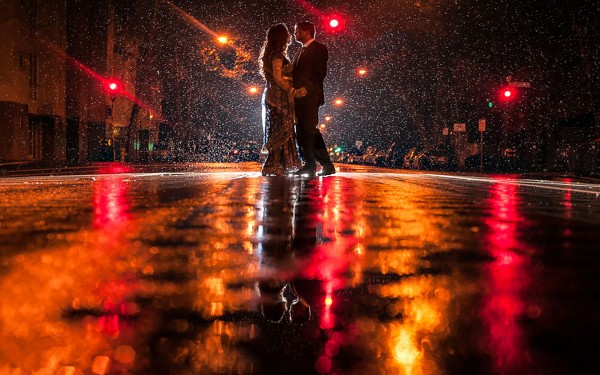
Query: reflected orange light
point(405, 351)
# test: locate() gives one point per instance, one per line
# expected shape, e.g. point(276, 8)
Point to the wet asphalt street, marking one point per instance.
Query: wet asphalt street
point(220, 270)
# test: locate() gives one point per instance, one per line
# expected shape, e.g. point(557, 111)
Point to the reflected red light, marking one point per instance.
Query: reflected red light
point(110, 202)
point(114, 307)
point(508, 277)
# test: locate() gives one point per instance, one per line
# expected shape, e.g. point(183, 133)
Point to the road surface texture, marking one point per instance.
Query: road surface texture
point(212, 270)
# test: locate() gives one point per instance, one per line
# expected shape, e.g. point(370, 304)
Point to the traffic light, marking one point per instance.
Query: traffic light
point(334, 23)
point(113, 87)
point(508, 94)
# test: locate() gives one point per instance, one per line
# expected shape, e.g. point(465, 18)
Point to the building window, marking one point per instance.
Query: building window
point(33, 76)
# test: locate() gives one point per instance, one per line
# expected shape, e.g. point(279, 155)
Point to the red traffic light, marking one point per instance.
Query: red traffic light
point(112, 85)
point(508, 94)
point(334, 23)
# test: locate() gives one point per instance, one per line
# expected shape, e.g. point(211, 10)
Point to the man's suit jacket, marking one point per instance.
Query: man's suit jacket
point(310, 69)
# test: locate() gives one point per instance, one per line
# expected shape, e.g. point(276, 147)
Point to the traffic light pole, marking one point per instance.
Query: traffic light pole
point(482, 125)
point(481, 153)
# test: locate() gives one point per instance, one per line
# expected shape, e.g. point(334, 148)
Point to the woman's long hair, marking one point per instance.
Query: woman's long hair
point(275, 43)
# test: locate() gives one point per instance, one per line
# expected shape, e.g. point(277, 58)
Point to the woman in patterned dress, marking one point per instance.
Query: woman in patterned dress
point(278, 104)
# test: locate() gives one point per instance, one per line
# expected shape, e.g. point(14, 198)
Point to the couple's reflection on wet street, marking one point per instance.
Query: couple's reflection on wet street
point(309, 249)
point(280, 302)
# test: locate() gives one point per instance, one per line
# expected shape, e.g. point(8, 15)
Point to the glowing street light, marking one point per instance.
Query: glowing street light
point(338, 101)
point(327, 118)
point(362, 72)
point(322, 126)
point(334, 23)
point(253, 90)
point(222, 39)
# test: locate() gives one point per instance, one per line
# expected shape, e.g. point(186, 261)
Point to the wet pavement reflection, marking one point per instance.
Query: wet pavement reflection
point(358, 273)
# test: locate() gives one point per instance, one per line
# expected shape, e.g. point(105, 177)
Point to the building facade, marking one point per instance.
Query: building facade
point(32, 80)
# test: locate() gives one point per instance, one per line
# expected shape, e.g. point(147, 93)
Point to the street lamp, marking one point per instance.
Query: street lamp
point(327, 118)
point(362, 72)
point(222, 39)
point(338, 101)
point(253, 90)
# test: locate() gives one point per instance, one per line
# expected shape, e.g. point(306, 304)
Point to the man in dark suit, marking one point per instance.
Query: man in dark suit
point(310, 69)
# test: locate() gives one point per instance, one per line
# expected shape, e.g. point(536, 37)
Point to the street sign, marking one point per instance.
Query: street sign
point(445, 131)
point(481, 124)
point(460, 127)
point(520, 84)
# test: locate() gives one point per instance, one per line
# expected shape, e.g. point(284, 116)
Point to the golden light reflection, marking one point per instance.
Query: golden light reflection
point(405, 351)
point(422, 301)
point(70, 307)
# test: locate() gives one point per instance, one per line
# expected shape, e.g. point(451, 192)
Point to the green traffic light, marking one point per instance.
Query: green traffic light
point(490, 104)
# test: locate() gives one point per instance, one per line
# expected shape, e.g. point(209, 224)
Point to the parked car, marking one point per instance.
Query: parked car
point(441, 158)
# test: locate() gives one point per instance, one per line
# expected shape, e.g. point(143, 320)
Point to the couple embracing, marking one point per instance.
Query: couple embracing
point(291, 101)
